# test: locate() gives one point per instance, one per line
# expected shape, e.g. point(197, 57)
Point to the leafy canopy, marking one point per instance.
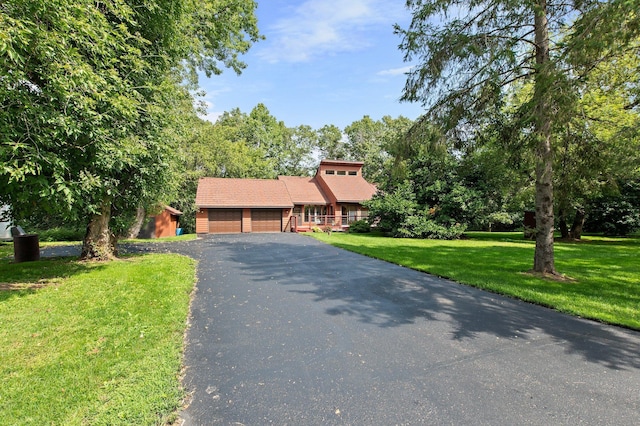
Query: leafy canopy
point(92, 100)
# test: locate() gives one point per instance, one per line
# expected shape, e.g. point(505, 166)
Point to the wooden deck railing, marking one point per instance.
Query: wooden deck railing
point(302, 221)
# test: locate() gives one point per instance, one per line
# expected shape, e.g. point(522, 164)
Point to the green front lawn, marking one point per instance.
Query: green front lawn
point(604, 273)
point(92, 343)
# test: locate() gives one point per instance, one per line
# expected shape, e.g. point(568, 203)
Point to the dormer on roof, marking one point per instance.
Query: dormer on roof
point(342, 181)
point(340, 168)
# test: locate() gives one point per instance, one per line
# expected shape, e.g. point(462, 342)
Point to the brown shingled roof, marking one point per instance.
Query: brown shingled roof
point(173, 211)
point(340, 163)
point(349, 189)
point(304, 190)
point(238, 193)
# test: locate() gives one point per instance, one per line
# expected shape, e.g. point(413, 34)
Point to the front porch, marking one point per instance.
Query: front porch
point(305, 223)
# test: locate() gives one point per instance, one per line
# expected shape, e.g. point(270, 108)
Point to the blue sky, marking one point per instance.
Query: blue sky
point(323, 62)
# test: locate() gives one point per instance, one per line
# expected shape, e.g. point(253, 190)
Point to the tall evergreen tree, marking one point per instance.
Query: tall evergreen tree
point(469, 53)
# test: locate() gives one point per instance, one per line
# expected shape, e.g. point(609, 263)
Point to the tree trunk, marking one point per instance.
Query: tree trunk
point(562, 223)
point(578, 223)
point(99, 242)
point(134, 230)
point(544, 257)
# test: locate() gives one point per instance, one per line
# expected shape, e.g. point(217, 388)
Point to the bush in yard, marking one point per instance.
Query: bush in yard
point(616, 214)
point(421, 226)
point(360, 227)
point(398, 214)
point(392, 209)
point(500, 219)
point(614, 217)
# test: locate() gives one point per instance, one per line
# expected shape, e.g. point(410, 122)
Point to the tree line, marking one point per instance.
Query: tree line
point(431, 185)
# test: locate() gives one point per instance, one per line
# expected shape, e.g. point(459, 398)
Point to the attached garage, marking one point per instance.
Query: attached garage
point(225, 221)
point(229, 205)
point(266, 220)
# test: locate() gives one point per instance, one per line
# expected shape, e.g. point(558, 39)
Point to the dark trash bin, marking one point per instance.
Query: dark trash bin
point(26, 248)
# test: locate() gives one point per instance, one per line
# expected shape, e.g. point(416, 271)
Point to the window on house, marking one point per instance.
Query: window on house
point(342, 172)
point(329, 172)
point(350, 213)
point(315, 214)
point(353, 173)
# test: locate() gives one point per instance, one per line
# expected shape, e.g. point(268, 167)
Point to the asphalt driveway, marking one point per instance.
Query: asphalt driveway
point(287, 330)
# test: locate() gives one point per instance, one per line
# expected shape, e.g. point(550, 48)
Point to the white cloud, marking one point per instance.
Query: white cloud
point(319, 27)
point(209, 115)
point(395, 71)
point(212, 116)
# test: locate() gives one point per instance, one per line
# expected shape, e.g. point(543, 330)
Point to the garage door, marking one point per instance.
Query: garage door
point(225, 221)
point(266, 220)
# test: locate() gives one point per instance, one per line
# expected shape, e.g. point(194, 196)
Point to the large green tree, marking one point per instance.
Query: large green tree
point(469, 53)
point(596, 147)
point(371, 141)
point(92, 101)
point(331, 143)
point(299, 150)
point(600, 145)
point(285, 150)
point(365, 143)
point(288, 150)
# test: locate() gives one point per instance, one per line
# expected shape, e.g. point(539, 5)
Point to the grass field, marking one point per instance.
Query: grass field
point(603, 273)
point(92, 343)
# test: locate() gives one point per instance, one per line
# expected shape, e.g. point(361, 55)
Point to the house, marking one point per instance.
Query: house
point(332, 198)
point(164, 224)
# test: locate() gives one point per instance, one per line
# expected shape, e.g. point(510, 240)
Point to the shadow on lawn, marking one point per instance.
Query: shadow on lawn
point(386, 295)
point(22, 279)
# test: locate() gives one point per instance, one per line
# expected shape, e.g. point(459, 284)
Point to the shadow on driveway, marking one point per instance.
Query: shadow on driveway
point(376, 292)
